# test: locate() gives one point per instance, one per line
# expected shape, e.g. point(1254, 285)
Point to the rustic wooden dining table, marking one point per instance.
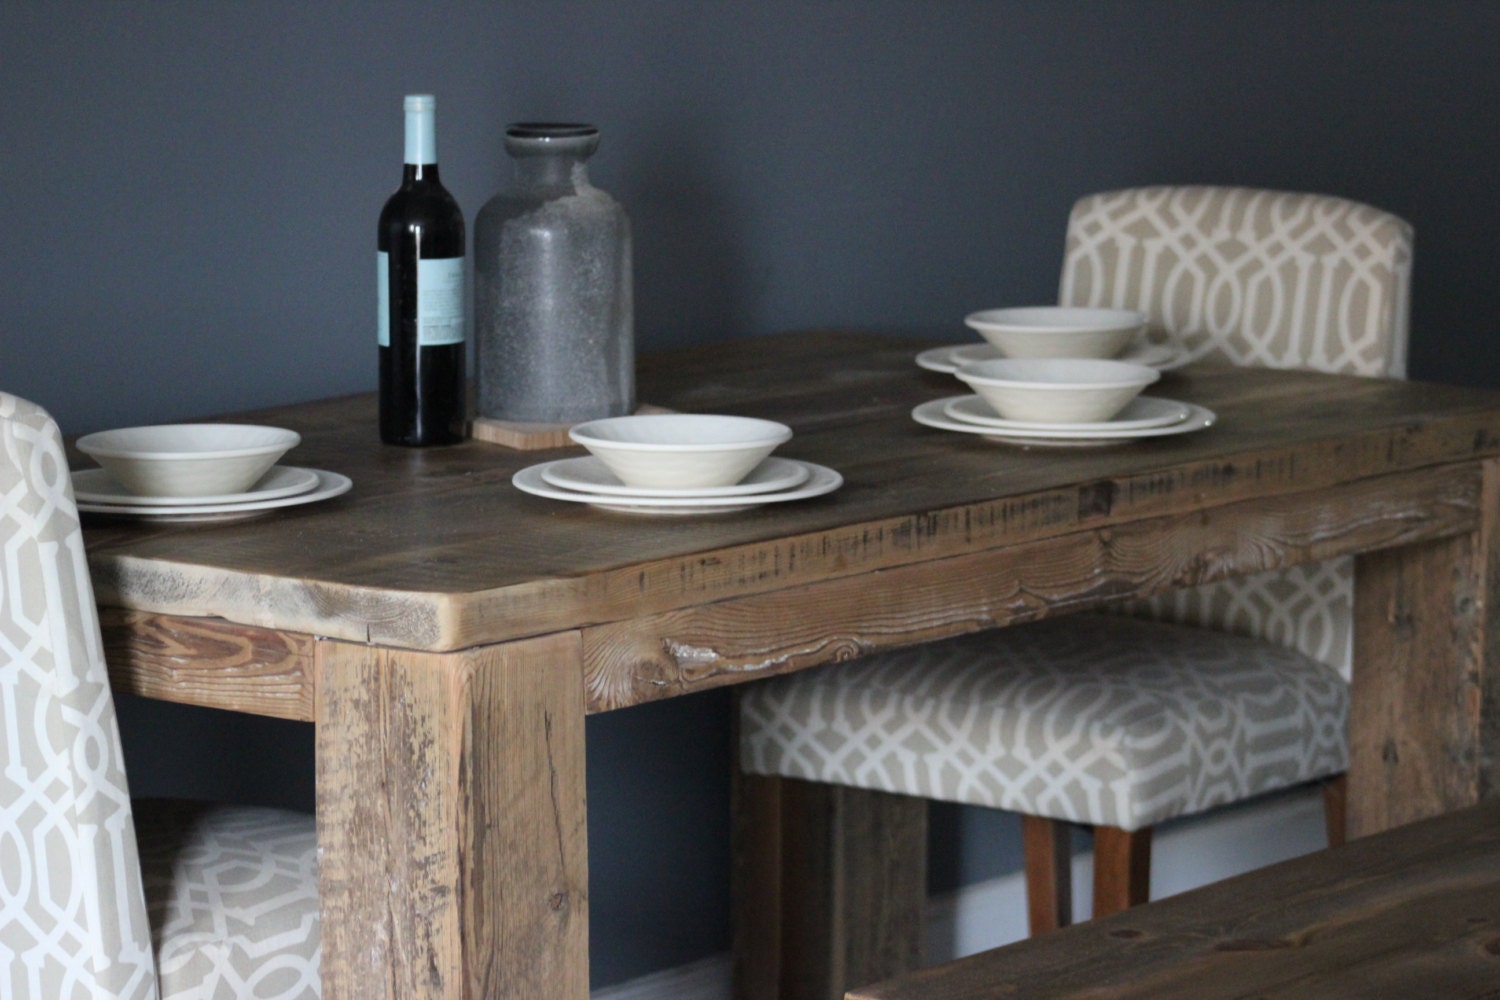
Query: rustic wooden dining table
point(448, 634)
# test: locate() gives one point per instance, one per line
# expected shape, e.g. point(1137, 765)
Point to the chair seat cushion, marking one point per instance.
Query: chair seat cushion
point(232, 897)
point(1096, 719)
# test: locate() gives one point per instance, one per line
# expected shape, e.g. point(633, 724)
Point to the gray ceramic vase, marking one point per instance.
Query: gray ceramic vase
point(553, 303)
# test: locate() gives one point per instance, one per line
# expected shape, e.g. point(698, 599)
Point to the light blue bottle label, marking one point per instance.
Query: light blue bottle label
point(440, 301)
point(383, 296)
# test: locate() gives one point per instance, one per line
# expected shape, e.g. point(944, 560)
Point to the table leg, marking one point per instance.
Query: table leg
point(1423, 728)
point(831, 887)
point(451, 822)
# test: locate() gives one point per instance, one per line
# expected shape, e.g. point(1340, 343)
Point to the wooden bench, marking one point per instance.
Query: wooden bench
point(1412, 912)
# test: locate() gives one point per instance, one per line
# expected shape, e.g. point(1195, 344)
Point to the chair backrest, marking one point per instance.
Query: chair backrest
point(72, 913)
point(1269, 278)
point(1252, 277)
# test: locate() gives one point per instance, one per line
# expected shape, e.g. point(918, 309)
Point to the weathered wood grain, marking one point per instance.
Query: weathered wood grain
point(1424, 691)
point(731, 641)
point(1408, 913)
point(451, 822)
point(217, 663)
point(208, 661)
point(434, 549)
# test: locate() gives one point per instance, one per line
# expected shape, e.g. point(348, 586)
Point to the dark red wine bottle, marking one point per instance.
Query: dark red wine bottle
point(422, 297)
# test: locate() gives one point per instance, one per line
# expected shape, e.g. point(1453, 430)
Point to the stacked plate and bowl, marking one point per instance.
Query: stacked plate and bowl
point(193, 472)
point(1058, 376)
point(678, 463)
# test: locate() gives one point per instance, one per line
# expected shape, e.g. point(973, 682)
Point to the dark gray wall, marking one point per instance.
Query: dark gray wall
point(188, 193)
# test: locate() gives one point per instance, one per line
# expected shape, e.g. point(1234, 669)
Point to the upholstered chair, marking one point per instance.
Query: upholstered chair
point(1192, 700)
point(102, 898)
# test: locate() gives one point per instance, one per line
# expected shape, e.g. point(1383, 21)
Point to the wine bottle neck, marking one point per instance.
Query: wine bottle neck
point(413, 172)
point(421, 131)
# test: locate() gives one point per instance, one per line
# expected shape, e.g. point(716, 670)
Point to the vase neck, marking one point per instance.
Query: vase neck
point(552, 172)
point(551, 154)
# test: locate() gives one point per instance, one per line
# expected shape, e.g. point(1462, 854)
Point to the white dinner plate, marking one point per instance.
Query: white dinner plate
point(589, 475)
point(1140, 412)
point(96, 486)
point(947, 359)
point(931, 414)
point(330, 484)
point(820, 480)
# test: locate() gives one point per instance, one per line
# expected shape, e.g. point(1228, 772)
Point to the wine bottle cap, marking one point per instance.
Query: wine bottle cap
point(421, 128)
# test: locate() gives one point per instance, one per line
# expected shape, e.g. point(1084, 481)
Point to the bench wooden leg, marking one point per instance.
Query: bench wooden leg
point(1049, 873)
point(830, 887)
point(1122, 869)
point(1335, 807)
point(755, 886)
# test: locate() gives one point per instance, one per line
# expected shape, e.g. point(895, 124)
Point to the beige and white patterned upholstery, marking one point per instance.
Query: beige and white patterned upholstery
point(232, 895)
point(1090, 719)
point(1021, 718)
point(1271, 279)
point(74, 920)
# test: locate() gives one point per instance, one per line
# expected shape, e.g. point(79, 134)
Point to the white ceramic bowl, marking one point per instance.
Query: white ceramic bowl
point(188, 460)
point(1057, 390)
point(1058, 331)
point(680, 450)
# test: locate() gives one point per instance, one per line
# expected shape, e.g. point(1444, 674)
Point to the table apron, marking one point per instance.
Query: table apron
point(266, 671)
point(762, 635)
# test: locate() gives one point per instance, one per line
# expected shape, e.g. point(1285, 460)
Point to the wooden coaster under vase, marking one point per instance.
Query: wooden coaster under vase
point(524, 436)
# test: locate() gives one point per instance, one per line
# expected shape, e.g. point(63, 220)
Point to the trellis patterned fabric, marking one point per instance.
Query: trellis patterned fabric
point(1272, 279)
point(1091, 719)
point(1021, 717)
point(232, 894)
point(73, 916)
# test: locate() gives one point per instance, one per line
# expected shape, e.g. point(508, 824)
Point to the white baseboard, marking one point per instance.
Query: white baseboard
point(1183, 856)
point(989, 914)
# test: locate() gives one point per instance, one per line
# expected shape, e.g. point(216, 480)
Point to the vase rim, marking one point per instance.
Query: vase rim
point(550, 130)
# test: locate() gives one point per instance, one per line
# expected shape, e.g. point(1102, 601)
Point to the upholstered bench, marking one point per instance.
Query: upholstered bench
point(1412, 912)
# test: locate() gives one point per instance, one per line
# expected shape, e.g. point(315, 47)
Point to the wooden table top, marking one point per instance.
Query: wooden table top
point(434, 549)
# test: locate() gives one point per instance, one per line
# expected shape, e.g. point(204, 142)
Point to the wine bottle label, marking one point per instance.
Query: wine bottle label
point(383, 297)
point(440, 301)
